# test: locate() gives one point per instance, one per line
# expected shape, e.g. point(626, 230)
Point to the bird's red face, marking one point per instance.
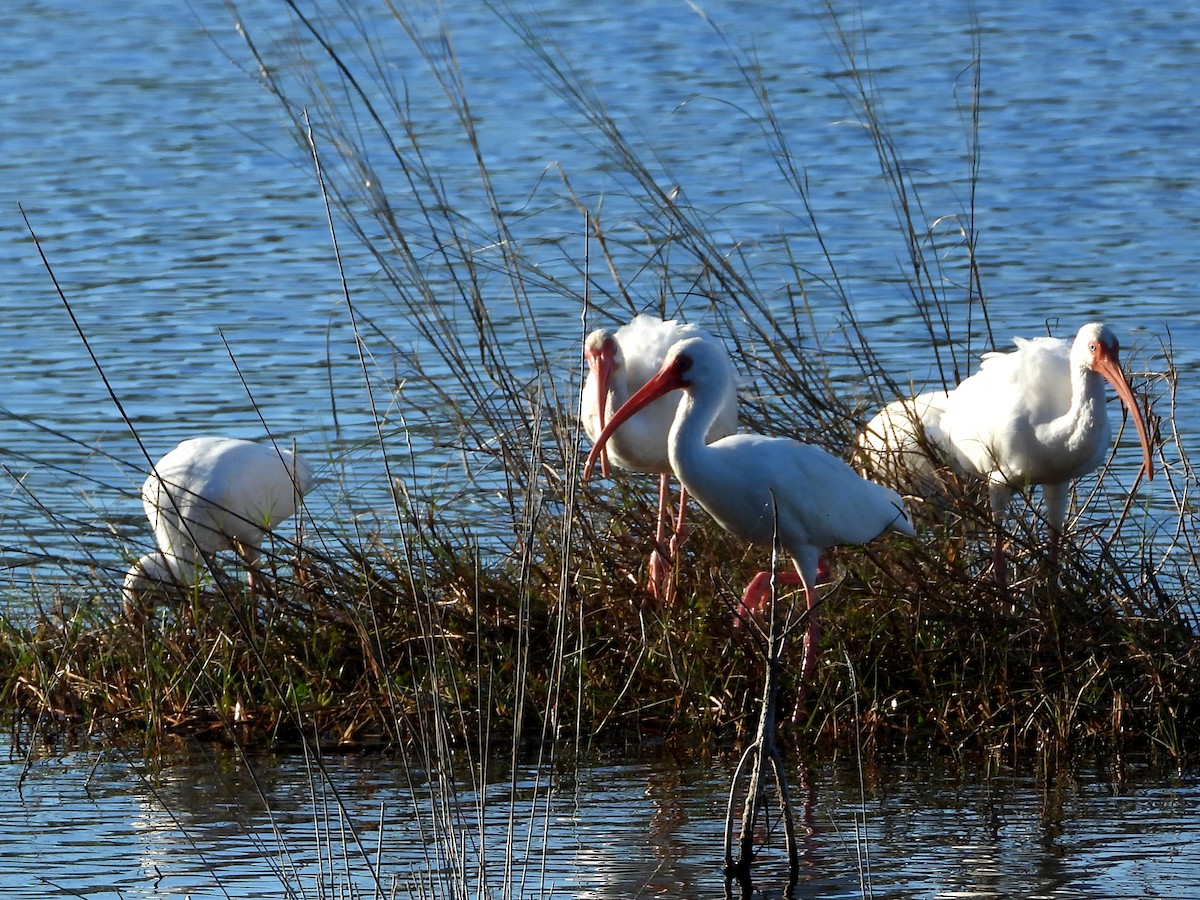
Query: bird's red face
point(671, 377)
point(1106, 362)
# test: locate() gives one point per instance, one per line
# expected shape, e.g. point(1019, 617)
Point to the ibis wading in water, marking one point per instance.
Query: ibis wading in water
point(619, 363)
point(211, 494)
point(766, 490)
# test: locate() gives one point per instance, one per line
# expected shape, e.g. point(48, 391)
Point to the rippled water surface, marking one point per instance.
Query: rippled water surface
point(95, 824)
point(182, 221)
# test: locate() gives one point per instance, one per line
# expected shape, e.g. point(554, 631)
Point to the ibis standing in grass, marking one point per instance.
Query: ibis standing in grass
point(211, 494)
point(767, 490)
point(1033, 416)
point(1037, 416)
point(619, 363)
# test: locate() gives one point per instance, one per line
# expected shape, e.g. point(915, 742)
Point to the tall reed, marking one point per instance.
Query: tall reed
point(495, 606)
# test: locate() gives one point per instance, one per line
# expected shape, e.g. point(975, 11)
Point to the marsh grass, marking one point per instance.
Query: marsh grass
point(504, 609)
point(493, 606)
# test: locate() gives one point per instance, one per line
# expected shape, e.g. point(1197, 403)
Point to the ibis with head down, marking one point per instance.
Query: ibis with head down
point(211, 494)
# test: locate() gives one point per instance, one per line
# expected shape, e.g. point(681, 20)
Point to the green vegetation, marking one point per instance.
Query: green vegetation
point(508, 608)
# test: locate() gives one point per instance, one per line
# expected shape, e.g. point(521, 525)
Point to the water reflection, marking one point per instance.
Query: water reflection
point(89, 822)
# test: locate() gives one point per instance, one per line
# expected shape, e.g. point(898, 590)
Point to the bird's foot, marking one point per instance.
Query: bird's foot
point(660, 580)
point(758, 594)
point(758, 591)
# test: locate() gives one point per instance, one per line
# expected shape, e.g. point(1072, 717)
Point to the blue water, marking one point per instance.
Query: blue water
point(181, 216)
point(94, 823)
point(183, 222)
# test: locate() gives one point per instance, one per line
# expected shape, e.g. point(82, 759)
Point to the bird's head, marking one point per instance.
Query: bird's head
point(149, 574)
point(601, 351)
point(678, 371)
point(603, 356)
point(1094, 341)
point(1096, 348)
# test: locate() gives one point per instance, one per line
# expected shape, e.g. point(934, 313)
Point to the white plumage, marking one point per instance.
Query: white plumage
point(211, 494)
point(901, 443)
point(1034, 416)
point(1037, 416)
point(619, 363)
point(762, 489)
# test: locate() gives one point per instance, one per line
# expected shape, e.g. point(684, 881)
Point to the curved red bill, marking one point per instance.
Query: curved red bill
point(1106, 362)
point(602, 361)
point(668, 378)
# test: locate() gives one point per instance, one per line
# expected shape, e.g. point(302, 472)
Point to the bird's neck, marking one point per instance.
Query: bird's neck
point(689, 432)
point(618, 391)
point(1079, 426)
point(149, 572)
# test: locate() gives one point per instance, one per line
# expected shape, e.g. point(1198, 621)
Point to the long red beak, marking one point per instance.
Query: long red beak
point(602, 363)
point(1105, 361)
point(668, 378)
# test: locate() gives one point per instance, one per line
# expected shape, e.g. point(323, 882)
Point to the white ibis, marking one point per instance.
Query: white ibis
point(211, 494)
point(762, 489)
point(901, 443)
point(1037, 416)
point(618, 364)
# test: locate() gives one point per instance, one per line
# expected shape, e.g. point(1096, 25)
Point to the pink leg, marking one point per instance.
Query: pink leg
point(661, 577)
point(812, 641)
point(999, 494)
point(754, 600)
point(680, 522)
point(758, 591)
point(669, 586)
point(812, 648)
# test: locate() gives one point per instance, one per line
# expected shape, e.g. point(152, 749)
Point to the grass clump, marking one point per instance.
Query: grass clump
point(504, 603)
